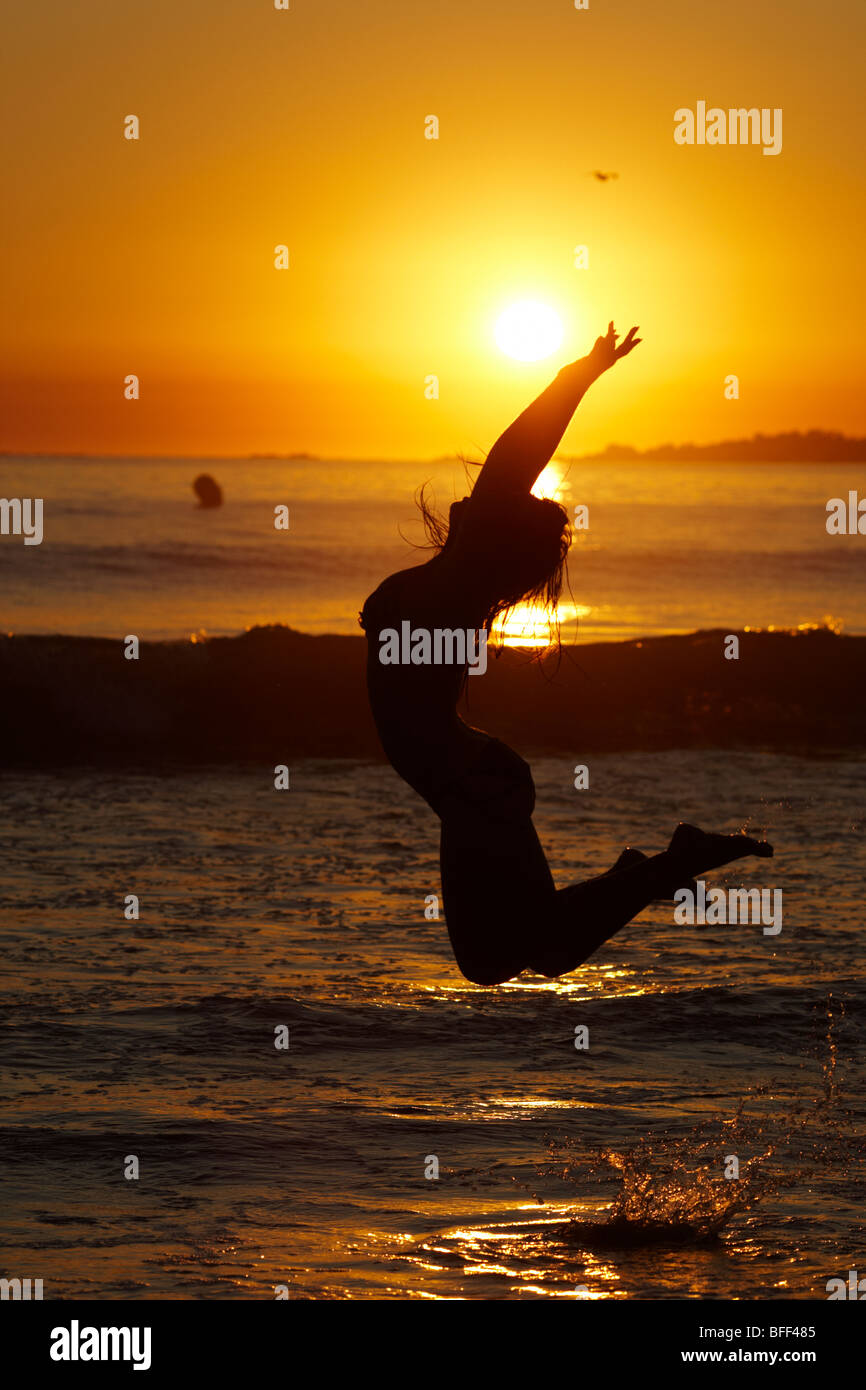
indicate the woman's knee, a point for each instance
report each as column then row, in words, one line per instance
column 489, row 973
column 489, row 964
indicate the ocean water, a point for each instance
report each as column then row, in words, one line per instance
column 562, row 1172
column 670, row 548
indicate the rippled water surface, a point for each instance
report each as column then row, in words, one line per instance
column 669, row 547
column 591, row 1173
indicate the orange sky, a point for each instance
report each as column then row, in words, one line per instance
column 261, row 127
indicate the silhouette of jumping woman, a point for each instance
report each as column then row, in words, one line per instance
column 502, row 545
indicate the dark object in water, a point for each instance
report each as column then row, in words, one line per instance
column 619, row 1234
column 208, row 491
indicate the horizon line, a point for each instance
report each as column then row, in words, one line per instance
column 296, row 455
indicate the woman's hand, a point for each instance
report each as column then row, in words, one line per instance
column 605, row 352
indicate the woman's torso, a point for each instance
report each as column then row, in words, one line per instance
column 414, row 704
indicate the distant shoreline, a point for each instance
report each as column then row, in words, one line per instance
column 813, row 446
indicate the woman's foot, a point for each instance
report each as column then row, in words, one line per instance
column 628, row 857
column 698, row 851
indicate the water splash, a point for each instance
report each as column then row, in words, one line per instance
column 833, row 1012
column 672, row 1191
column 673, row 1188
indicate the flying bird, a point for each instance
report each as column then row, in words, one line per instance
column 602, row 178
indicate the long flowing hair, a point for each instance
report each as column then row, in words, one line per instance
column 542, row 537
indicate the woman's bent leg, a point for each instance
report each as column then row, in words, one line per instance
column 588, row 914
column 498, row 894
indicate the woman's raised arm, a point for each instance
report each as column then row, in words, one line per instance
column 527, row 446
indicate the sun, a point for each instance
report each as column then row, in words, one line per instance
column 528, row 331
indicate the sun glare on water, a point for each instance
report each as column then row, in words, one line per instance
column 528, row 625
column 528, row 331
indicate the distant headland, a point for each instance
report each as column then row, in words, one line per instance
column 815, row 446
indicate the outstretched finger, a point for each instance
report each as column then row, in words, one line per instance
column 626, row 346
